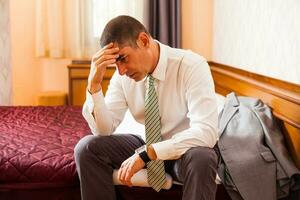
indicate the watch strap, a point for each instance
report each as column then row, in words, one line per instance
column 144, row 156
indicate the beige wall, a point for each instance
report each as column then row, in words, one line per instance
column 31, row 75
column 197, row 23
column 259, row 36
column 25, row 68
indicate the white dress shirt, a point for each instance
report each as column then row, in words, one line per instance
column 187, row 103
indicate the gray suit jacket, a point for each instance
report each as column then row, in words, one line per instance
column 253, row 151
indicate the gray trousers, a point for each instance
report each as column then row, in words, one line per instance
column 97, row 156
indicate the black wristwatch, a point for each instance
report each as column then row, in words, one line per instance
column 142, row 151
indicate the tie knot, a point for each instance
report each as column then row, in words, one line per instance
column 150, row 80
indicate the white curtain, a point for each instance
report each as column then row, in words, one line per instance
column 71, row 28
column 105, row 10
column 5, row 58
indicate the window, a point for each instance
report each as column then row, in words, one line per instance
column 104, row 10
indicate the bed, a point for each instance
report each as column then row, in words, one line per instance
column 36, row 152
column 64, row 126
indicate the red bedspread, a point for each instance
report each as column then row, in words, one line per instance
column 36, row 146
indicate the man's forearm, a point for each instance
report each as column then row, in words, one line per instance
column 97, row 115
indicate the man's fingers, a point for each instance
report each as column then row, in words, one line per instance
column 121, row 169
column 120, row 172
column 125, row 172
column 108, row 45
column 102, row 49
column 128, row 176
column 110, row 51
column 106, row 63
column 102, row 52
column 123, row 175
column 106, row 57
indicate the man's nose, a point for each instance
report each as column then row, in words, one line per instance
column 122, row 69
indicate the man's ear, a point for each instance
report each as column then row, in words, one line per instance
column 143, row 40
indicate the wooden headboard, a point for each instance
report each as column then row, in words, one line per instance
column 281, row 96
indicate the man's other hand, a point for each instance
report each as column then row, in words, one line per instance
column 129, row 167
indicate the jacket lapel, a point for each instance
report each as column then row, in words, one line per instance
column 230, row 107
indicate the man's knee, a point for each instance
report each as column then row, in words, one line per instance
column 81, row 148
column 89, row 145
column 200, row 158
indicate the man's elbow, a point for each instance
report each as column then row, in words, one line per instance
column 209, row 136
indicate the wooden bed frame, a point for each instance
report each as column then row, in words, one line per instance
column 281, row 96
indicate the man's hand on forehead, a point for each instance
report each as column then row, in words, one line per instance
column 106, row 51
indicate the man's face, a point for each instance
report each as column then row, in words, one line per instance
column 133, row 62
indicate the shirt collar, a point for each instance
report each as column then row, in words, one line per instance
column 161, row 67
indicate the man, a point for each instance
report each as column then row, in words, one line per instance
column 169, row 90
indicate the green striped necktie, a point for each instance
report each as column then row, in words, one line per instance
column 155, row 168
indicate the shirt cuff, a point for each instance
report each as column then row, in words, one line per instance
column 165, row 150
column 93, row 99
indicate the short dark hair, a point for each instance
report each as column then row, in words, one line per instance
column 123, row 29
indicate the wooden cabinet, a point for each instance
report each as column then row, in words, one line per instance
column 78, row 75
